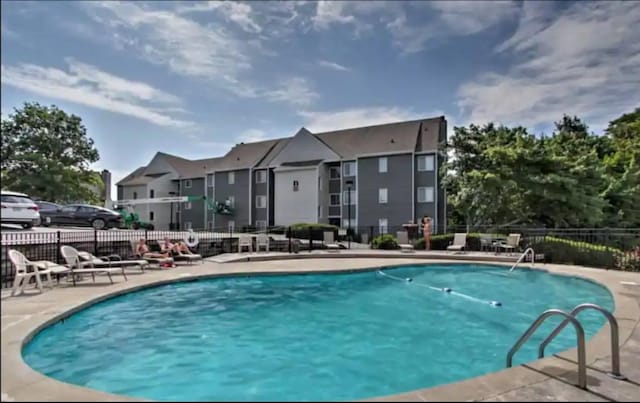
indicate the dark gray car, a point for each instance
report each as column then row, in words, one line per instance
column 81, row 215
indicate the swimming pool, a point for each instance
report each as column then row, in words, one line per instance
column 309, row 337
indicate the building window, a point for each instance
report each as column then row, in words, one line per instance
column 426, row 163
column 151, row 194
column 345, row 223
column 187, row 206
column 187, row 184
column 382, row 225
column 349, row 168
column 135, row 195
column 261, row 225
column 382, row 195
column 425, row 194
column 150, row 215
column 210, row 180
column 261, row 176
column 334, row 172
column 231, row 178
column 296, row 186
column 187, row 225
column 334, row 199
column 232, row 201
column 261, row 201
column 382, row 164
column 232, row 226
column 209, row 206
column 346, row 199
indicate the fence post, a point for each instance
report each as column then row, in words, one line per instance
column 310, row 240
column 230, row 240
column 370, row 233
column 289, row 236
column 95, row 242
column 58, row 246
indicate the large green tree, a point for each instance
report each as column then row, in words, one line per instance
column 46, row 153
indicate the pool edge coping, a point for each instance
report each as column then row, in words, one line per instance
column 26, row 383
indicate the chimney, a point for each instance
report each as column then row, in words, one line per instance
column 106, row 179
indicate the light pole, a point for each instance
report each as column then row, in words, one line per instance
column 349, row 184
column 171, row 213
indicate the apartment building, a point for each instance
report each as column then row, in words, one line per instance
column 381, row 176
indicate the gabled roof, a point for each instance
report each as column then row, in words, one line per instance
column 390, row 137
column 275, row 150
column 199, row 168
column 246, row 155
column 135, row 173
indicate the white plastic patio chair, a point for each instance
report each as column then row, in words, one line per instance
column 403, row 242
column 330, row 243
column 111, row 261
column 513, row 242
column 459, row 242
column 245, row 240
column 77, row 266
column 262, row 240
column 23, row 275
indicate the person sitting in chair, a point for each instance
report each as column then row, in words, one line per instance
column 178, row 248
column 143, row 250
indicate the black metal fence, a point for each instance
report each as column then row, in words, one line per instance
column 612, row 248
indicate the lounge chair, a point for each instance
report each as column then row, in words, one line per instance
column 112, row 261
column 151, row 260
column 262, row 240
column 403, row 242
column 459, row 242
column 23, row 275
column 181, row 257
column 513, row 242
column 330, row 243
column 486, row 242
column 245, row 240
column 78, row 267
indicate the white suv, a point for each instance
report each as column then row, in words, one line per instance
column 18, row 208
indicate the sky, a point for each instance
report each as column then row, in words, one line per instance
column 195, row 78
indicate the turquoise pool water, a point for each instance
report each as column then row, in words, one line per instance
column 309, row 337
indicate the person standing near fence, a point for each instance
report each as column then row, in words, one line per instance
column 426, row 232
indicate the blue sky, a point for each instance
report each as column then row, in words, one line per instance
column 194, row 78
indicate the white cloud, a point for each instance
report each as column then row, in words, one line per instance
column 331, row 12
column 87, row 85
column 332, row 65
column 252, row 135
column 452, row 18
column 183, row 45
column 322, row 121
column 238, row 13
column 584, row 61
column 294, row 91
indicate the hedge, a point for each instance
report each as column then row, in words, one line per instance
column 440, row 242
column 385, row 241
column 315, row 231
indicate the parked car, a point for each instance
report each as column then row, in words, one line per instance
column 47, row 209
column 18, row 208
column 80, row 215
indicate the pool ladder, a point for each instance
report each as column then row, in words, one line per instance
column 571, row 318
column 523, row 256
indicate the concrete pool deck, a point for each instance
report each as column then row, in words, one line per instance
column 549, row 379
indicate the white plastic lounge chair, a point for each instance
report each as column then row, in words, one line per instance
column 513, row 240
column 262, row 240
column 23, row 275
column 403, row 242
column 55, row 268
column 329, row 242
column 245, row 240
column 111, row 261
column 459, row 242
column 79, row 267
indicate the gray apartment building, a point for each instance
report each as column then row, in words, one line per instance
column 380, row 176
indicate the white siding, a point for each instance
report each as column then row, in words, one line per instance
column 293, row 207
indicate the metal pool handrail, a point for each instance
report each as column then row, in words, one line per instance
column 533, row 258
column 613, row 324
column 582, row 359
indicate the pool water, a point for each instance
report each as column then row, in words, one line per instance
column 310, row 337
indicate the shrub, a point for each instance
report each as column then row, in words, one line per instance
column 567, row 251
column 385, row 241
column 311, row 230
column 440, row 242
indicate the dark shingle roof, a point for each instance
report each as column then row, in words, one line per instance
column 246, row 155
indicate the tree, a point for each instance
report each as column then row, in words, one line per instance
column 622, row 171
column 46, row 153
